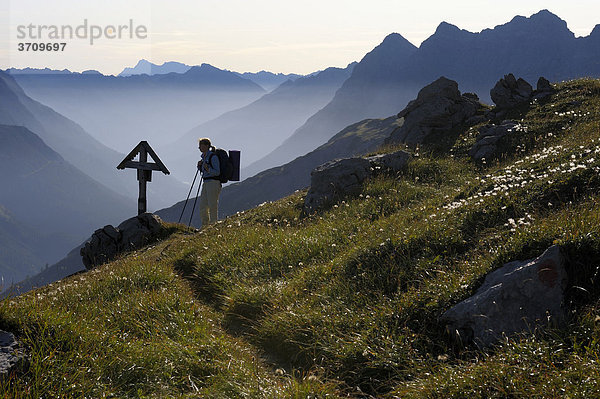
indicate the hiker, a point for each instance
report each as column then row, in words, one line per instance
column 211, row 188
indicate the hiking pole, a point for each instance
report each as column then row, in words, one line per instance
column 188, row 197
column 196, row 199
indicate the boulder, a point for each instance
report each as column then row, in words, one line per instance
column 341, row 178
column 393, row 162
column 106, row 243
column 136, row 231
column 101, row 247
column 485, row 146
column 510, row 92
column 11, row 352
column 517, row 298
column 335, row 180
column 438, row 108
column 543, row 89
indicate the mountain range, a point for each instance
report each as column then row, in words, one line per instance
column 148, row 68
column 267, row 80
column 378, row 86
column 442, row 277
column 77, row 146
column 261, row 126
column 121, row 111
column 392, row 73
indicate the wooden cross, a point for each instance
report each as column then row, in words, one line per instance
column 144, row 169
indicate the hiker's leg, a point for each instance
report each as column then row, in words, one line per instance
column 203, row 205
column 213, row 190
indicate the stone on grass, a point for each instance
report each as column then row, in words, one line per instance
column 11, row 352
column 517, row 298
column 437, row 110
column 335, row 180
column 393, row 162
column 106, row 243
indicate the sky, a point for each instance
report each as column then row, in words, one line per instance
column 242, row 35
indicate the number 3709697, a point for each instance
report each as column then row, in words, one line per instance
column 41, row 46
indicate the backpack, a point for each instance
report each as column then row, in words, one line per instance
column 225, row 164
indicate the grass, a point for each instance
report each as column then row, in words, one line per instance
column 346, row 302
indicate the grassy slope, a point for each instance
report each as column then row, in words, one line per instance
column 345, row 302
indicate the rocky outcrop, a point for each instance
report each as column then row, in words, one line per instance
column 517, row 298
column 544, row 89
column 335, row 180
column 342, row 178
column 11, row 352
column 106, row 243
column 486, row 144
column 510, row 93
column 392, row 163
column 438, row 109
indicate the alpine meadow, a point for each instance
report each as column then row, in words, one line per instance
column 396, row 238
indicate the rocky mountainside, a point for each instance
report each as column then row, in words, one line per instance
column 21, row 253
column 47, row 195
column 374, row 90
column 541, row 45
column 392, row 74
column 434, row 118
column 444, row 276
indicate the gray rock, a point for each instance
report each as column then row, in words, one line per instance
column 11, row 352
column 485, row 146
column 106, row 243
column 136, row 231
column 510, row 93
column 342, row 178
column 393, row 162
column 544, row 89
column 336, row 180
column 517, row 298
column 543, row 84
column 438, row 108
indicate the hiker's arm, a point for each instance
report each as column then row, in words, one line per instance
column 212, row 168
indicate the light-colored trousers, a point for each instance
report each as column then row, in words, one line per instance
column 209, row 201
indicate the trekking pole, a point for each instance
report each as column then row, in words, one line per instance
column 188, row 197
column 196, row 199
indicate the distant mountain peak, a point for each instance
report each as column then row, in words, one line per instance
column 48, row 71
column 208, row 67
column 202, row 69
column 395, row 39
column 446, row 29
column 142, row 62
column 146, row 67
column 545, row 18
column 546, row 15
column 394, row 43
column 543, row 22
column 445, row 33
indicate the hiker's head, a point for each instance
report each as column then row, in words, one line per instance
column 204, row 144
